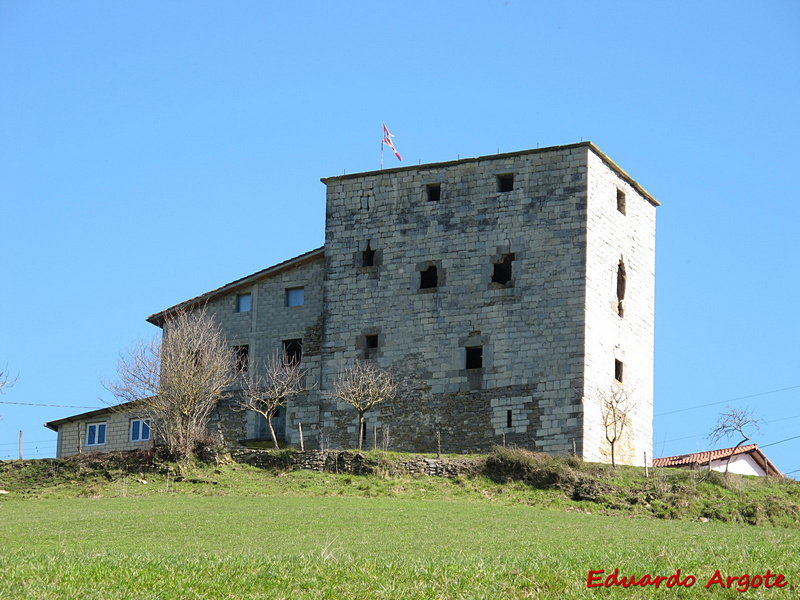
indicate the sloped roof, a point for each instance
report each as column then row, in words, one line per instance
column 159, row 317
column 702, row 458
column 54, row 425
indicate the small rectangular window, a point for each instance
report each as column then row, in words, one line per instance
column 428, row 278
column 505, row 182
column 502, row 270
column 140, row 430
column 242, row 357
column 371, row 341
column 294, row 297
column 293, row 350
column 434, row 192
column 95, row 434
column 243, row 302
column 509, row 418
column 620, row 201
column 475, row 357
column 618, row 370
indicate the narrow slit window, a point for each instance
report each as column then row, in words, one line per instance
column 618, row 370
column 368, row 256
column 434, row 192
column 505, row 182
column 428, row 278
column 622, row 280
column 475, row 357
column 509, row 418
column 293, row 351
column 363, row 432
column 620, row 201
column 502, row 270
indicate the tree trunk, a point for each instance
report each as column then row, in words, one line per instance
column 613, row 460
column 360, row 429
column 272, row 431
column 728, row 462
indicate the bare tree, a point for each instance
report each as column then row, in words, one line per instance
column 265, row 393
column 731, row 423
column 616, row 405
column 5, row 379
column 363, row 385
column 177, row 381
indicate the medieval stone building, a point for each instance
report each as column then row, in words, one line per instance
column 508, row 294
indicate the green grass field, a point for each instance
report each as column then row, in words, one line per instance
column 246, row 533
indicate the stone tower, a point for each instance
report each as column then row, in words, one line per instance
column 509, row 294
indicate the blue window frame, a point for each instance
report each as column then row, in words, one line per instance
column 140, row 430
column 95, row 434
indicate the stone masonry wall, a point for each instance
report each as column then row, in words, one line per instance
column 531, row 329
column 614, row 237
column 264, row 329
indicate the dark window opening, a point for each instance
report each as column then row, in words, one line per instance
column 428, row 278
column 475, row 357
column 363, row 432
column 371, row 341
column 508, row 418
column 242, row 357
column 621, row 201
column 505, row 183
column 618, row 368
column 502, row 270
column 368, row 257
column 293, row 351
column 622, row 280
column 434, row 192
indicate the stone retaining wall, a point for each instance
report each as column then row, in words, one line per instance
column 336, row 461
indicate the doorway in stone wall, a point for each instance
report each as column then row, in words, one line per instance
column 278, row 424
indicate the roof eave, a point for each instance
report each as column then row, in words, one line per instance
column 158, row 318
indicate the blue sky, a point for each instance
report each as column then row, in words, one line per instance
column 154, row 151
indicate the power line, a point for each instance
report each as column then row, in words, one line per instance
column 51, row 405
column 794, row 387
column 780, row 441
column 27, row 442
column 697, row 435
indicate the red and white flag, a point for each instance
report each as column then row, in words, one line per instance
column 387, row 139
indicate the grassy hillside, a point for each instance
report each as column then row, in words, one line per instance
column 232, row 531
column 504, row 477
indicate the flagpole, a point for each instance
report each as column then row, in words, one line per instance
column 382, row 134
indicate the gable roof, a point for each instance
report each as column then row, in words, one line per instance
column 702, row 458
column 54, row 425
column 159, row 317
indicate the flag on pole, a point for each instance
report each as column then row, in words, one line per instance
column 387, row 139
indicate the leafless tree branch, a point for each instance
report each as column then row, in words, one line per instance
column 5, row 379
column 733, row 422
column 265, row 392
column 616, row 404
column 362, row 386
column 177, row 381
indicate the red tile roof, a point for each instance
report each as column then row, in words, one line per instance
column 702, row 458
